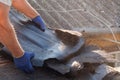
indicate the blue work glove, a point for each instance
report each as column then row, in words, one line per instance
column 39, row 23
column 23, row 63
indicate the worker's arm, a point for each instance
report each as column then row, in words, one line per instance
column 9, row 39
column 7, row 32
column 24, row 7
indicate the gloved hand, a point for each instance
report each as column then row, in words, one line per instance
column 23, row 63
column 39, row 23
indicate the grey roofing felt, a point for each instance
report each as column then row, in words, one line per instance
column 45, row 45
column 88, row 54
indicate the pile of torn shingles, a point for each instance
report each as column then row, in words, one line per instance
column 63, row 51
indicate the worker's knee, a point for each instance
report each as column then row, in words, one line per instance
column 3, row 18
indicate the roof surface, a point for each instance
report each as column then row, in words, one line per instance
column 76, row 14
